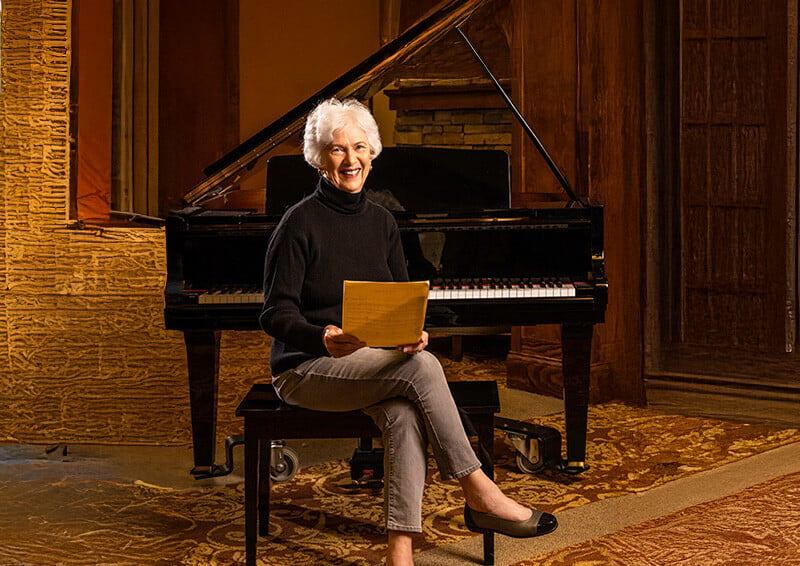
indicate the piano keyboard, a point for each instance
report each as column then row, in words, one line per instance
column 488, row 289
column 441, row 290
column 231, row 296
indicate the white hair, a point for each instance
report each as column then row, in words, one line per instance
column 331, row 115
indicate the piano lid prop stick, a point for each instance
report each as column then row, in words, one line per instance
column 528, row 130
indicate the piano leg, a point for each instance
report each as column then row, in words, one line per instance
column 576, row 347
column 202, row 357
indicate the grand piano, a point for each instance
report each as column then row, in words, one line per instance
column 489, row 265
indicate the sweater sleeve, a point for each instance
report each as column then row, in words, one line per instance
column 397, row 259
column 284, row 272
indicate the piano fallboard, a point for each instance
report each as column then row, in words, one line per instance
column 509, row 267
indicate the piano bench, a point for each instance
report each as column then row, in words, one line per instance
column 267, row 418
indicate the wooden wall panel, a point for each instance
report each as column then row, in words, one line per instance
column 750, row 162
column 694, row 15
column 738, row 18
column 695, row 141
column 612, row 115
column 198, row 84
column 725, row 141
column 695, row 90
column 545, row 87
column 579, row 79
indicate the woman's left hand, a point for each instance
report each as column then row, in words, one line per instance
column 417, row 347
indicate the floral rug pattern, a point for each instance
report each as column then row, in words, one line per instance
column 318, row 518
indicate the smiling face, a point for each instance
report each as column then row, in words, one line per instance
column 346, row 161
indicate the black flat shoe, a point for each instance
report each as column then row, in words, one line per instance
column 538, row 524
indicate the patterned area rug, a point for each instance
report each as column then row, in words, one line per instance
column 760, row 525
column 318, row 519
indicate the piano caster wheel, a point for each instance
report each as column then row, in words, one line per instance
column 529, row 452
column 526, row 466
column 284, row 462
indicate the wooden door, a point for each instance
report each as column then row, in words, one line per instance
column 723, row 301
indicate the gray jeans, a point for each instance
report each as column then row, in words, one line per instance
column 408, row 398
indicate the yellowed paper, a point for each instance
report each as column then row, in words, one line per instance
column 384, row 314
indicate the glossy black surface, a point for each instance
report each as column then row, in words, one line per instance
column 205, row 253
column 413, row 179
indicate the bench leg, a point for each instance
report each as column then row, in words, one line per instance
column 264, row 486
column 486, row 454
column 251, row 459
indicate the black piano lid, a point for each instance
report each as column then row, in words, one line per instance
column 362, row 81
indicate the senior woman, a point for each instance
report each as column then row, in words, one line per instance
column 336, row 234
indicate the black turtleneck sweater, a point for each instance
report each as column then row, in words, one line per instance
column 327, row 237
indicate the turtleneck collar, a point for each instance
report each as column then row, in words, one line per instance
column 340, row 201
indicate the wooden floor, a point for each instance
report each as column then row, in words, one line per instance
column 730, row 403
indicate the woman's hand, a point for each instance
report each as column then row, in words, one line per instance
column 338, row 343
column 417, row 347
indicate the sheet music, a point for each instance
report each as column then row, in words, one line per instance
column 384, row 314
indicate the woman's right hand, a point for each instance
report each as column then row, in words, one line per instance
column 338, row 343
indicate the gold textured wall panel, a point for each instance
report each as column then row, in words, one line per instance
column 84, row 354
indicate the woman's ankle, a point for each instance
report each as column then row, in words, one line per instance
column 480, row 492
column 485, row 496
column 401, row 549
